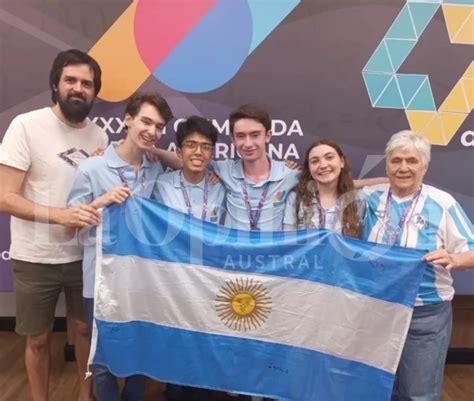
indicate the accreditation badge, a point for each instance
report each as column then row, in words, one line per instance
column 74, row 156
column 420, row 222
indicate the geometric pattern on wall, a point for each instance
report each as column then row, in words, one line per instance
column 190, row 46
column 412, row 92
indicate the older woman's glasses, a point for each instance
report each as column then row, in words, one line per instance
column 193, row 145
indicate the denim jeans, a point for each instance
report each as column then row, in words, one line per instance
column 420, row 372
column 104, row 382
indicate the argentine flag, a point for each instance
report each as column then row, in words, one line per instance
column 306, row 315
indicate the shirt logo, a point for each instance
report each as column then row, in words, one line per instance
column 279, row 198
column 420, row 222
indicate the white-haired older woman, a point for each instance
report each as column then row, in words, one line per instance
column 408, row 213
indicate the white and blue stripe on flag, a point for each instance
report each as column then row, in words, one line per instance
column 306, row 315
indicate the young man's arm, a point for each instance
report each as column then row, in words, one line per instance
column 358, row 184
column 14, row 203
column 116, row 195
column 168, row 158
column 368, row 182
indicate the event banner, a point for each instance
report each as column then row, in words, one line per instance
column 353, row 71
column 300, row 315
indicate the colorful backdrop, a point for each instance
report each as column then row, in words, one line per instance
column 355, row 71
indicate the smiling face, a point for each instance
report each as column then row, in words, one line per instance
column 145, row 128
column 405, row 171
column 196, row 152
column 250, row 138
column 325, row 164
column 76, row 92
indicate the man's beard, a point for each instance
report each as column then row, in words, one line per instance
column 74, row 110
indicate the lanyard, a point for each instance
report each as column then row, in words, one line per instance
column 322, row 212
column 392, row 235
column 254, row 218
column 205, row 195
column 125, row 182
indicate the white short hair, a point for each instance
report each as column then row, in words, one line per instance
column 408, row 140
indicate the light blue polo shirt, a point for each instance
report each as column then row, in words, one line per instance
column 94, row 177
column 333, row 215
column 281, row 181
column 332, row 221
column 168, row 191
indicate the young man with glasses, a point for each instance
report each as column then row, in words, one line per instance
column 188, row 189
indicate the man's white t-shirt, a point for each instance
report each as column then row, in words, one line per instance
column 39, row 143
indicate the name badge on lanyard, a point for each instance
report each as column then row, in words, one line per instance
column 254, row 217
column 187, row 201
column 124, row 181
column 392, row 234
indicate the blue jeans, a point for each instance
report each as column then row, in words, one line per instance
column 420, row 372
column 105, row 383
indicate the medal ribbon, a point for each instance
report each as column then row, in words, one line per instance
column 125, row 182
column 392, row 235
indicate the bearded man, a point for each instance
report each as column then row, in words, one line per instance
column 40, row 152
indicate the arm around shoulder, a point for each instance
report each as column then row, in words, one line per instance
column 368, row 182
column 168, row 158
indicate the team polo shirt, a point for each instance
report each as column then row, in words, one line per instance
column 94, row 177
column 333, row 214
column 435, row 221
column 280, row 182
column 168, row 191
column 332, row 221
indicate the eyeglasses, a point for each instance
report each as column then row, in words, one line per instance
column 193, row 145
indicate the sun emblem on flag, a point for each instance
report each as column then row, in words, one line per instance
column 243, row 304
